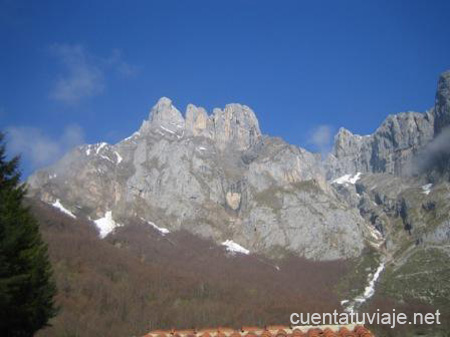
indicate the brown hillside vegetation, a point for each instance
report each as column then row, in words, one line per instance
column 384, row 304
column 138, row 280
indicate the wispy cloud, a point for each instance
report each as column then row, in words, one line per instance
column 37, row 149
column 124, row 68
column 321, row 138
column 81, row 77
column 435, row 154
column 84, row 74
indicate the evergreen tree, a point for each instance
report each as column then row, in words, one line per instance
column 26, row 285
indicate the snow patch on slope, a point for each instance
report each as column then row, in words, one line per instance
column 167, row 130
column 57, row 204
column 233, row 247
column 106, row 224
column 369, row 291
column 100, row 147
column 347, row 179
column 106, row 158
column 162, row 230
column 426, row 189
column 119, row 157
column 94, row 147
column 376, row 235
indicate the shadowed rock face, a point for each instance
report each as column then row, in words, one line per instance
column 442, row 105
column 217, row 176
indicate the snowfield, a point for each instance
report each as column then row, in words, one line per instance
column 106, row 224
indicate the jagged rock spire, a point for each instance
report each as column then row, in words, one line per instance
column 165, row 115
column 236, row 124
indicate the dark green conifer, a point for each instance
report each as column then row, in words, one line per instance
column 26, row 285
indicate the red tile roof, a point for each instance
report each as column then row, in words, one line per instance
column 270, row 331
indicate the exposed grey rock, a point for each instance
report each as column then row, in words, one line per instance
column 165, row 116
column 440, row 235
column 390, row 149
column 215, row 176
column 442, row 105
column 198, row 123
column 235, row 126
column 403, row 144
column 435, row 158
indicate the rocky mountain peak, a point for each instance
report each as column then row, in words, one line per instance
column 345, row 140
column 165, row 115
column 401, row 141
column 236, row 124
column 342, row 135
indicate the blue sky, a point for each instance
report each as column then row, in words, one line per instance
column 88, row 71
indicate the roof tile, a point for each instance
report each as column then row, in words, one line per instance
column 269, row 331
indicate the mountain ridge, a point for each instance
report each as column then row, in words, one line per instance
column 219, row 177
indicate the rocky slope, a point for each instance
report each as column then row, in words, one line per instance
column 404, row 192
column 404, row 189
column 390, row 149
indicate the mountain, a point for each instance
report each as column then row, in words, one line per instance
column 216, row 176
column 403, row 190
column 378, row 202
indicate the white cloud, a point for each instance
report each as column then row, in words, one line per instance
column 84, row 74
column 81, row 78
column 37, row 148
column 321, row 138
